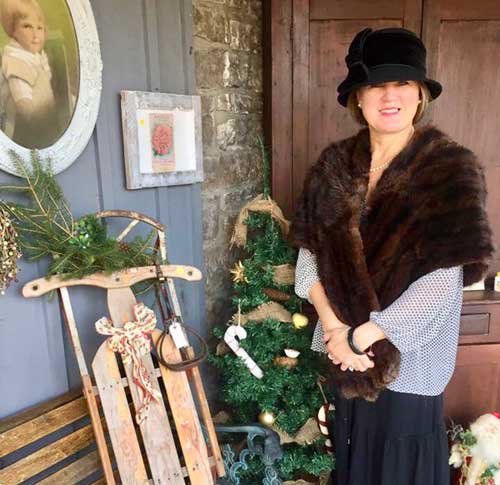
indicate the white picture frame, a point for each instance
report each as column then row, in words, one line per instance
column 72, row 142
column 162, row 139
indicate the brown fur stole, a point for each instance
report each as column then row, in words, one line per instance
column 426, row 212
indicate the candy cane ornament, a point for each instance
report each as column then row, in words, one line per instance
column 323, row 425
column 234, row 334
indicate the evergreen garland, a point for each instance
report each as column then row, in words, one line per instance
column 310, row 459
column 46, row 227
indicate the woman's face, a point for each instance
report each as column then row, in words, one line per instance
column 30, row 32
column 391, row 106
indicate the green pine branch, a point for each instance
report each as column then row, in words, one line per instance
column 266, row 165
column 46, row 227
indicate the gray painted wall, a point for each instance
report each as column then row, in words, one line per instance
column 145, row 45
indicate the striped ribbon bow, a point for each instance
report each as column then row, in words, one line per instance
column 133, row 341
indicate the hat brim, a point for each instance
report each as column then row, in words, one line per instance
column 388, row 73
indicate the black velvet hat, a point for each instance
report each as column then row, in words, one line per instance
column 377, row 56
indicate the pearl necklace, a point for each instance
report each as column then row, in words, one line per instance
column 387, row 163
column 380, row 166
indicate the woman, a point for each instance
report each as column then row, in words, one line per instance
column 391, row 224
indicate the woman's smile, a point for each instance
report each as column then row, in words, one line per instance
column 390, row 111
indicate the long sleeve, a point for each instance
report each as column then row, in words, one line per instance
column 306, row 273
column 412, row 320
column 415, row 318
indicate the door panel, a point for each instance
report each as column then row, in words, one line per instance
column 463, row 38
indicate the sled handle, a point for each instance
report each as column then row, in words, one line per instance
column 119, row 279
column 131, row 215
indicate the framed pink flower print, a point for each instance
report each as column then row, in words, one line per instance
column 162, row 139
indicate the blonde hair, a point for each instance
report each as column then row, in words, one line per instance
column 357, row 114
column 11, row 11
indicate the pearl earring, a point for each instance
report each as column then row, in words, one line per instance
column 359, row 106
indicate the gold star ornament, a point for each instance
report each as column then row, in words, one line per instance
column 238, row 273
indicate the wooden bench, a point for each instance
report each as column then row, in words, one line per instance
column 51, row 443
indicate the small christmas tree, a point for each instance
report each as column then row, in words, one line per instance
column 286, row 397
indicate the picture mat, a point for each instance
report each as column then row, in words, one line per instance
column 183, row 143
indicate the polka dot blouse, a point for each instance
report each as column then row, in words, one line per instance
column 423, row 324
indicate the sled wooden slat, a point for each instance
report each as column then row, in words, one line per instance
column 184, row 411
column 155, row 429
column 102, row 481
column 116, row 410
column 157, row 437
column 41, row 426
column 119, row 279
column 125, row 381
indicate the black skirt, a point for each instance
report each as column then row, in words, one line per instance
column 400, row 439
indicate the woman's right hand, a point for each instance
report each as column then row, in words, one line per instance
column 335, row 332
column 339, row 351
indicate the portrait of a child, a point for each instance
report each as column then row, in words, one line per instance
column 27, row 100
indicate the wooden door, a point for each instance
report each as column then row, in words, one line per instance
column 463, row 44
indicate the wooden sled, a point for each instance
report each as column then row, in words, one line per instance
column 145, row 453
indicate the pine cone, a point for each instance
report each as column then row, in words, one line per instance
column 124, row 247
column 276, row 295
column 287, row 362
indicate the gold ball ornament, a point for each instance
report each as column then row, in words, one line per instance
column 299, row 321
column 267, row 418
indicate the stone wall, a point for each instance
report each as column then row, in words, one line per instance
column 228, row 63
